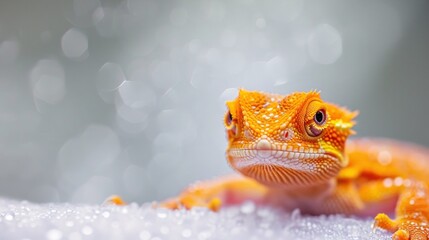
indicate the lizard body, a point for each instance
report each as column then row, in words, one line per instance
column 293, row 152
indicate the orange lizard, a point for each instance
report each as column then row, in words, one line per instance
column 294, row 153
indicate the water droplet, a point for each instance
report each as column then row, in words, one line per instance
column 110, row 77
column 186, row 233
column 74, row 44
column 98, row 15
column 47, row 79
column 162, row 213
column 8, row 217
column 54, row 234
column 50, row 89
column 325, row 44
column 107, row 26
column 145, row 235
column 106, row 214
column 164, row 230
column 137, row 94
column 248, row 207
column 87, row 230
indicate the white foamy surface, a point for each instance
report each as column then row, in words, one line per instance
column 24, row 220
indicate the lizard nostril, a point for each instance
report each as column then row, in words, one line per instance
column 263, row 144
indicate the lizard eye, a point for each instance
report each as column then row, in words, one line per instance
column 228, row 119
column 230, row 124
column 320, row 117
column 315, row 118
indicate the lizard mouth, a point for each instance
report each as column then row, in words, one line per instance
column 284, row 168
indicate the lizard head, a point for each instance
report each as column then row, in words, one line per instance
column 286, row 141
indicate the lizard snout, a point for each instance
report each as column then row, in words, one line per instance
column 263, row 147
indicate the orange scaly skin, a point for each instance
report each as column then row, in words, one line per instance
column 294, row 153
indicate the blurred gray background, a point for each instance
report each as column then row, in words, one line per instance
column 127, row 96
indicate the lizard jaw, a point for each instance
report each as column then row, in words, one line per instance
column 284, row 168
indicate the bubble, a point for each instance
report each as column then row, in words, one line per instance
column 131, row 121
column 84, row 221
column 8, row 217
column 74, row 236
column 170, row 99
column 110, row 77
column 74, row 44
column 98, row 15
column 106, row 214
column 50, row 89
column 54, row 234
column 164, row 230
column 248, row 207
column 145, row 235
column 106, row 26
column 137, row 94
column 47, row 80
column 9, row 51
column 178, row 16
column 162, row 213
column 186, row 233
column 325, row 44
column 87, row 230
column 132, row 115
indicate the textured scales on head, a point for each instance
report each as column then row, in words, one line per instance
column 286, row 141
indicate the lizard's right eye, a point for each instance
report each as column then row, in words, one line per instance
column 230, row 124
column 228, row 118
